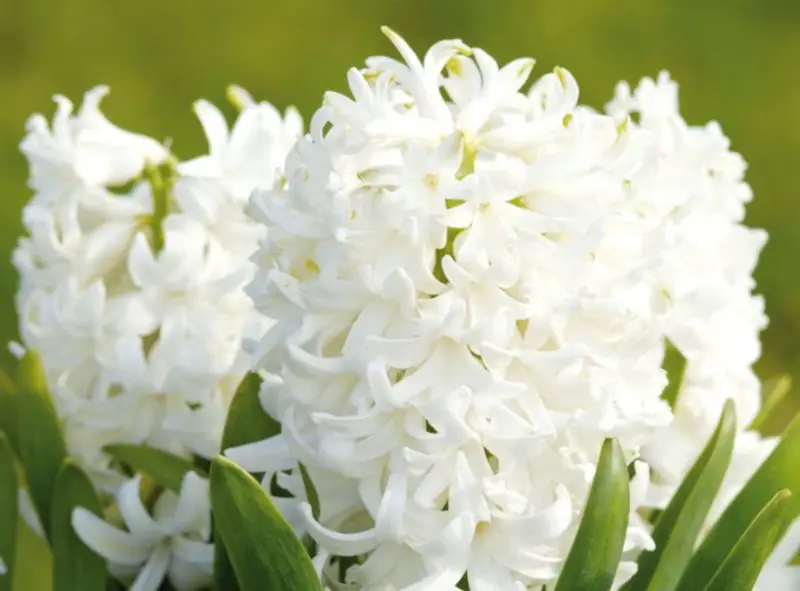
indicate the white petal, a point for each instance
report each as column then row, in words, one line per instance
column 542, row 526
column 193, row 512
column 112, row 544
column 199, row 553
column 136, row 517
column 337, row 542
column 214, row 125
column 142, row 263
column 154, row 571
column 189, row 576
column 28, row 512
column 268, row 455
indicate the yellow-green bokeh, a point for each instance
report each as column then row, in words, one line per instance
column 737, row 62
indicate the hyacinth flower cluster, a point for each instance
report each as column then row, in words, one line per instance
column 132, row 273
column 452, row 290
column 473, row 285
column 131, row 282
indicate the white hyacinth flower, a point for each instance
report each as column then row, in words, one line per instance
column 172, row 543
column 83, row 151
column 132, row 274
column 460, row 278
column 696, row 194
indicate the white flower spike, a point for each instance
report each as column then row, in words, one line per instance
column 456, row 288
column 134, row 296
column 458, row 280
column 473, row 285
column 696, row 195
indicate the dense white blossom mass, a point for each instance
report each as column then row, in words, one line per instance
column 705, row 271
column 472, row 285
column 132, row 271
column 455, row 287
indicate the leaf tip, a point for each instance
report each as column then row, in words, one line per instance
column 31, row 372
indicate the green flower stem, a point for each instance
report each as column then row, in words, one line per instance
column 162, row 180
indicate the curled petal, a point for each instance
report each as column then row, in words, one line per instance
column 337, row 542
column 112, row 544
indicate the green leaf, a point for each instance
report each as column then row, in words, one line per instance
column 75, row 566
column 311, row 491
column 162, row 467
column 741, row 568
column 41, row 443
column 795, row 561
column 595, row 554
column 8, row 511
column 678, row 527
column 8, row 411
column 675, row 366
column 773, row 393
column 33, row 567
column 263, row 548
column 247, row 422
column 778, row 472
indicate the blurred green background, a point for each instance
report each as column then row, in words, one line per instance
column 736, row 61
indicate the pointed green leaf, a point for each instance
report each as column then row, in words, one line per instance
column 75, row 566
column 33, row 567
column 247, row 422
column 741, row 568
column 311, row 491
column 8, row 511
column 778, row 472
column 596, row 552
column 678, row 527
column 773, row 393
column 8, row 411
column 263, row 548
column 675, row 366
column 162, row 467
column 41, row 442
